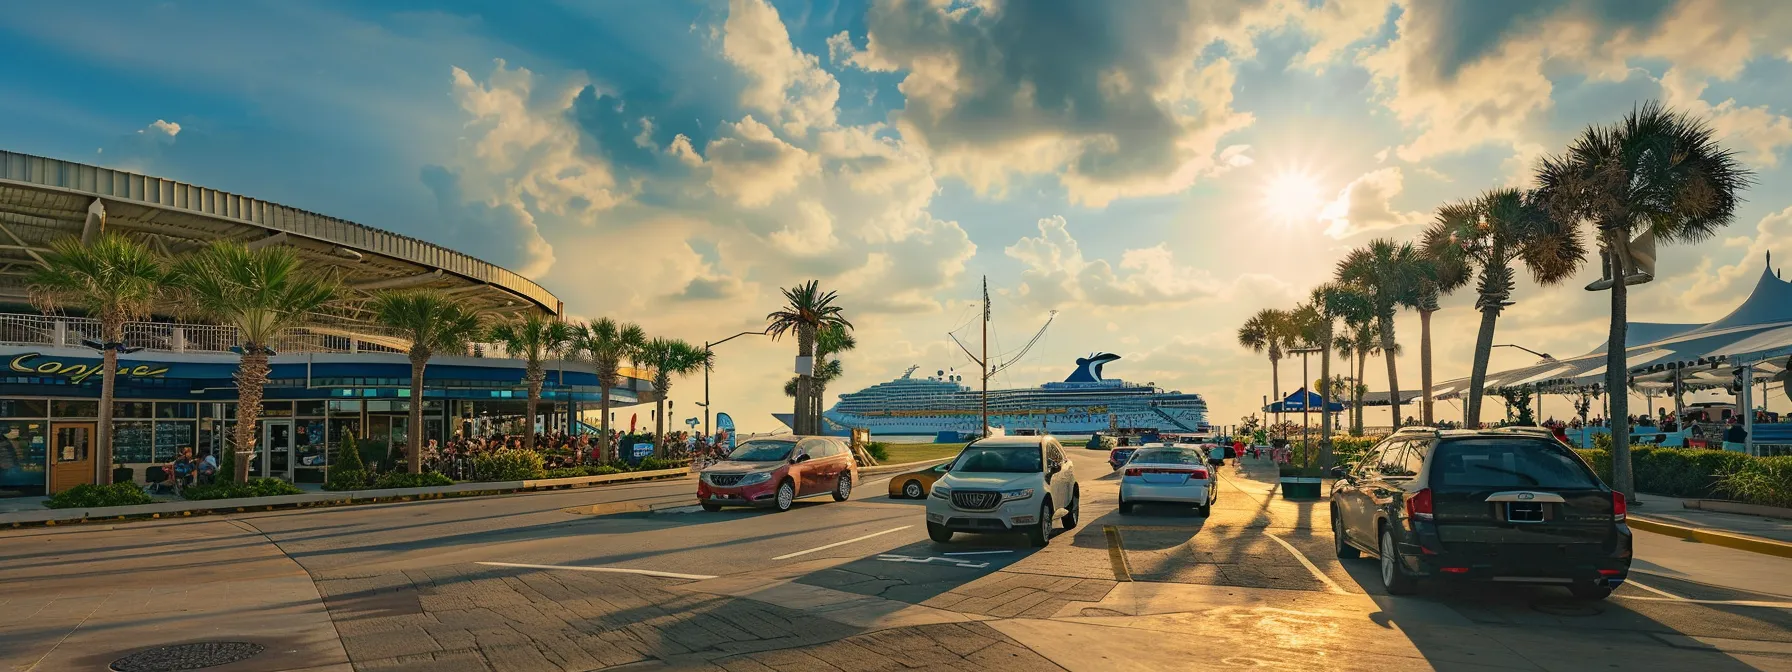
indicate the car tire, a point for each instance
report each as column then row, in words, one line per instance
column 1125, row 507
column 843, row 487
column 1587, row 590
column 1204, row 510
column 913, row 490
column 1076, row 502
column 1393, row 572
column 939, row 533
column 1041, row 532
column 786, row 496
column 712, row 508
column 1339, row 544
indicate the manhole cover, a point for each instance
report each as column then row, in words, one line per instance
column 1567, row 608
column 186, row 657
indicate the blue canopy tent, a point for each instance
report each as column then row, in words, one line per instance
column 1303, row 400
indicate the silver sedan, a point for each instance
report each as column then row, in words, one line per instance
column 1169, row 474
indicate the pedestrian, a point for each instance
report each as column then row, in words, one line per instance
column 1736, row 437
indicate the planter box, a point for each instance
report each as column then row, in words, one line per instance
column 1294, row 487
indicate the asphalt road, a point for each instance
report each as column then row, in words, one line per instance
column 635, row 576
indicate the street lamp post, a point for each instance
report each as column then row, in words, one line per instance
column 706, row 366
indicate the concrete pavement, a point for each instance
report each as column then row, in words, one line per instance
column 587, row 579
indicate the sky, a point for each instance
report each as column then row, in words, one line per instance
column 1153, row 170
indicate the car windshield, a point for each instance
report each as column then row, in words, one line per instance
column 999, row 459
column 1166, row 456
column 763, row 451
column 1508, row 463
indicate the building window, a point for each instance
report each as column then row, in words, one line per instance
column 171, row 437
column 309, row 409
column 132, row 441
column 23, row 408
column 22, row 447
column 74, row 408
column 133, row 409
column 176, row 409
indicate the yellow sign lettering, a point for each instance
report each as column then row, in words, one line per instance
column 78, row 373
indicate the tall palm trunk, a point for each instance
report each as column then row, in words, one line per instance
column 805, row 345
column 1275, row 389
column 603, row 420
column 419, row 360
column 535, row 376
column 112, row 331
column 1362, row 370
column 1477, row 377
column 251, row 377
column 1325, row 399
column 659, row 426
column 1616, row 369
column 1387, row 353
column 1425, row 365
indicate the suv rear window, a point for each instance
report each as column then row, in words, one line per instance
column 1508, row 463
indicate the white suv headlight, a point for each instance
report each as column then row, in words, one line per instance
column 1013, row 495
column 942, row 492
column 756, row 478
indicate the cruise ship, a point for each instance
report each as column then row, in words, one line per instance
column 1083, row 403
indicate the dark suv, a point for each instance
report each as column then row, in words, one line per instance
column 1487, row 505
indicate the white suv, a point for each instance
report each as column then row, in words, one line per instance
column 1005, row 484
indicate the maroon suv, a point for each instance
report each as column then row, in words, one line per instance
column 775, row 472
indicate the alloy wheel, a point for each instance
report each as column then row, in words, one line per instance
column 786, row 495
column 912, row 490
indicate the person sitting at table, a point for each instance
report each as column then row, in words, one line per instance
column 1736, row 437
column 206, row 467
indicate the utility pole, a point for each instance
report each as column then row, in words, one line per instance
column 984, row 362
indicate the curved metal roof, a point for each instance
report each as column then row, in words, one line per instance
column 42, row 199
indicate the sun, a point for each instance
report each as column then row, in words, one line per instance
column 1292, row 196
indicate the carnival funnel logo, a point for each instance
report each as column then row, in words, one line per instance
column 32, row 362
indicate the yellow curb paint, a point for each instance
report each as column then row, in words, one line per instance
column 1117, row 554
column 1741, row 542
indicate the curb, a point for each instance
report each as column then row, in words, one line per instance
column 1741, row 542
column 179, row 508
column 1725, row 506
column 882, row 469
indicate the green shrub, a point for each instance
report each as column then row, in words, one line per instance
column 93, row 496
column 348, row 456
column 346, row 479
column 1763, row 480
column 574, row 472
column 507, row 465
column 227, row 466
column 655, row 464
column 1697, row 473
column 423, row 480
column 879, row 450
column 255, row 487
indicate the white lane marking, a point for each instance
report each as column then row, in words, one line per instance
column 616, row 570
column 1304, row 562
column 977, row 553
column 1730, row 603
column 966, row 564
column 788, row 556
column 1657, row 591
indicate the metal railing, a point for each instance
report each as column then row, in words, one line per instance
column 23, row 329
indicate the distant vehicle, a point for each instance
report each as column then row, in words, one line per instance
column 775, row 472
column 916, row 484
column 1119, row 456
column 1005, row 484
column 1169, row 474
column 1481, row 505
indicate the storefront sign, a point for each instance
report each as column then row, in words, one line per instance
column 643, row 449
column 32, row 362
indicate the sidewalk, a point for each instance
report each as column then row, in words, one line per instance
column 1673, row 511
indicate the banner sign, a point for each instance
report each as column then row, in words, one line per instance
column 643, row 450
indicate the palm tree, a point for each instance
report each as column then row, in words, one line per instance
column 608, row 343
column 533, row 338
column 433, row 323
column 1318, row 319
column 830, row 341
column 114, row 280
column 1487, row 235
column 667, row 358
column 1657, row 171
column 1269, row 331
column 262, row 292
column 1387, row 273
column 1439, row 275
column 807, row 310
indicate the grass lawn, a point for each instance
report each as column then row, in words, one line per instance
column 903, row 453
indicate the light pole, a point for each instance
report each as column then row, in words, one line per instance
column 1306, row 443
column 707, row 354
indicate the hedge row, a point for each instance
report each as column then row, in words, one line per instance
column 1701, row 473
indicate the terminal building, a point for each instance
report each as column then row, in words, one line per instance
column 345, row 375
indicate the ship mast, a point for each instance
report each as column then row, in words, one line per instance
column 984, row 362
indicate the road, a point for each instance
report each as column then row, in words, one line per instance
column 633, row 577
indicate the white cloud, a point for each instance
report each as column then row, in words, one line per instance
column 1058, row 275
column 1715, row 284
column 1365, row 205
column 785, row 84
column 162, row 128
column 752, row 166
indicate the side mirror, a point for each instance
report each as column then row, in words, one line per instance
column 1054, row 468
column 1217, row 461
column 804, row 457
column 1340, row 472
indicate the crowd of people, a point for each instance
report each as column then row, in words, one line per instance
column 562, row 450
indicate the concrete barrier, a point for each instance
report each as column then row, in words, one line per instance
column 1741, row 542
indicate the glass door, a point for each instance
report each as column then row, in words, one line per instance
column 276, row 446
column 71, row 454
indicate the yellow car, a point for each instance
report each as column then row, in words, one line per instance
column 916, row 484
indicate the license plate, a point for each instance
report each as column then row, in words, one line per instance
column 1524, row 512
